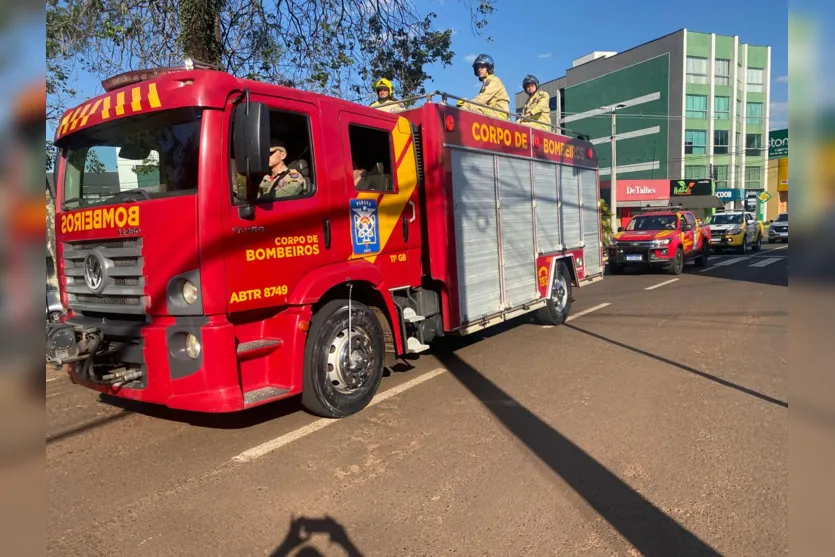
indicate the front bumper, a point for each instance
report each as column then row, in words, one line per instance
column 147, row 362
column 625, row 254
column 778, row 234
column 719, row 239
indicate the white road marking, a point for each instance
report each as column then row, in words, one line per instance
column 653, row 287
column 766, row 262
column 270, row 446
column 581, row 314
column 53, row 379
column 726, row 263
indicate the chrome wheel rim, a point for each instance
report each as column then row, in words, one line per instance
column 559, row 292
column 350, row 367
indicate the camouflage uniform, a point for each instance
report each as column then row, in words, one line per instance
column 492, row 94
column 537, row 111
column 288, row 183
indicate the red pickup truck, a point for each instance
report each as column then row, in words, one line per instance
column 662, row 238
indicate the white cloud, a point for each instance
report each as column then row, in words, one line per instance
column 544, row 55
column 470, row 57
column 778, row 110
column 781, row 79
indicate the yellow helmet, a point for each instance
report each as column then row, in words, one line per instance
column 384, row 83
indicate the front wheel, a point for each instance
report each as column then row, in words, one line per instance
column 558, row 305
column 342, row 369
column 758, row 246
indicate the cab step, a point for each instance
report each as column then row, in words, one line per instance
column 264, row 394
column 257, row 348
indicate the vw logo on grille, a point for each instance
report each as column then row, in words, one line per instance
column 93, row 273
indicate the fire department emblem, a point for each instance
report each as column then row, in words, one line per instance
column 365, row 233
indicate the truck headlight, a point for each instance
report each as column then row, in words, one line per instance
column 193, row 347
column 189, row 292
column 659, row 243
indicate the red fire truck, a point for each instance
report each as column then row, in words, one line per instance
column 189, row 287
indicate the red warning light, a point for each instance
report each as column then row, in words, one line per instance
column 449, row 123
column 590, row 154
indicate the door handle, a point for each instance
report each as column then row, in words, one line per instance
column 414, row 212
column 405, row 222
column 326, row 224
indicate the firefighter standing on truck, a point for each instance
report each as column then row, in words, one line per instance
column 492, row 94
column 537, row 110
column 385, row 96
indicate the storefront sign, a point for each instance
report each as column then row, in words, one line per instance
column 730, row 194
column 637, row 190
column 778, row 144
column 687, row 188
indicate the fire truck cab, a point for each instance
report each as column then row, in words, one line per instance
column 190, row 285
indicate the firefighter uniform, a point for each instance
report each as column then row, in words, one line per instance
column 537, row 110
column 386, row 104
column 288, row 183
column 493, row 93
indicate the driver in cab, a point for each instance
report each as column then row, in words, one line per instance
column 282, row 181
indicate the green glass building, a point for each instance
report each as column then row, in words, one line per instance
column 692, row 102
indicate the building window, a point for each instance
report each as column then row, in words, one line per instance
column 371, row 158
column 721, row 175
column 697, row 70
column 695, row 142
column 720, row 142
column 696, row 107
column 695, row 172
column 752, row 177
column 723, row 72
column 754, row 113
column 552, row 103
column 755, row 80
column 722, row 108
column 753, row 145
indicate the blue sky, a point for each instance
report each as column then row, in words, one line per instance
column 543, row 38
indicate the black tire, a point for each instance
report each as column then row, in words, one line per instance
column 677, row 266
column 320, row 394
column 759, row 245
column 703, row 259
column 558, row 304
column 743, row 249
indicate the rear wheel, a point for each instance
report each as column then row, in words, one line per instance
column 342, row 371
column 558, row 305
column 677, row 265
column 702, row 260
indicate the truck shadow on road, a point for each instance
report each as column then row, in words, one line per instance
column 303, row 528
column 688, row 369
column 651, row 531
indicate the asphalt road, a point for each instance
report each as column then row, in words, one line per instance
column 656, row 424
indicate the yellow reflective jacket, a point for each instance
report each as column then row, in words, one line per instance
column 492, row 94
column 537, row 111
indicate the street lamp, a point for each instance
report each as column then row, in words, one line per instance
column 613, row 205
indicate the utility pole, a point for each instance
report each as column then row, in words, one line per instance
column 613, row 206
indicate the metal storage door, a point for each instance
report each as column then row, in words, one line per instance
column 516, row 210
column 570, row 196
column 476, row 234
column 591, row 229
column 547, row 208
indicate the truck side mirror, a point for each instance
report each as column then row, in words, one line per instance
column 251, row 137
column 620, row 229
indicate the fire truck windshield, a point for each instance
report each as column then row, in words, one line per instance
column 653, row 222
column 154, row 155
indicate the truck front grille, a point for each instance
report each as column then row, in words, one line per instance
column 123, row 284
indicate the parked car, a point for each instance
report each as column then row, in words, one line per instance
column 54, row 307
column 779, row 229
column 735, row 229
